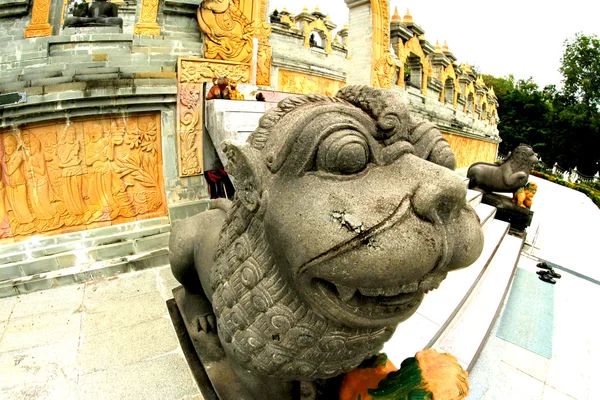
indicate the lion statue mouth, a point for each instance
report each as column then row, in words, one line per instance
column 382, row 302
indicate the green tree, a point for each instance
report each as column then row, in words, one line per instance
column 524, row 117
column 581, row 70
column 501, row 85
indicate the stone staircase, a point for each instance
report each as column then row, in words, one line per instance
column 40, row 263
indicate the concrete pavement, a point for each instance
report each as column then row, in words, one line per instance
column 569, row 225
column 107, row 339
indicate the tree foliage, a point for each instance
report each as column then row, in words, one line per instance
column 581, row 69
column 561, row 125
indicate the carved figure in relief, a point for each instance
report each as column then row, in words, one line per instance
column 104, row 188
column 228, row 32
column 346, row 213
column 39, row 189
column 71, row 163
column 506, row 177
column 16, row 189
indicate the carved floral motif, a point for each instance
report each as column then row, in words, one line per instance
column 384, row 67
column 39, row 25
column 200, row 71
column 147, row 23
column 78, row 174
column 192, row 73
column 228, row 32
column 295, row 82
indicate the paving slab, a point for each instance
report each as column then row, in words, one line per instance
column 107, row 339
column 105, row 315
column 66, row 298
column 40, row 330
column 123, row 346
column 143, row 380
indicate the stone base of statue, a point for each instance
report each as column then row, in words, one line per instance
column 507, row 211
column 89, row 30
column 77, row 22
column 216, row 377
column 205, row 355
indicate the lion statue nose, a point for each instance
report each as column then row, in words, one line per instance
column 436, row 200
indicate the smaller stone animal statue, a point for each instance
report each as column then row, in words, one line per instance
column 523, row 197
column 220, row 89
column 98, row 13
column 506, row 177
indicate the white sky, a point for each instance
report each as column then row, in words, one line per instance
column 522, row 37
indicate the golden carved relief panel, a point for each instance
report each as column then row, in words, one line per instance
column 296, row 82
column 192, row 73
column 469, row 151
column 39, row 25
column 384, row 66
column 69, row 177
column 227, row 31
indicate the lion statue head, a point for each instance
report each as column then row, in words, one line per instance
column 346, row 213
column 522, row 158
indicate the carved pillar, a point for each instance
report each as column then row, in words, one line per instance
column 265, row 56
column 370, row 23
column 39, row 25
column 146, row 24
column 192, row 74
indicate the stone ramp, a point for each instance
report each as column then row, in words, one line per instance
column 41, row 263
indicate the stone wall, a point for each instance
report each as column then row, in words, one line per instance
column 82, row 72
column 360, row 27
column 290, row 54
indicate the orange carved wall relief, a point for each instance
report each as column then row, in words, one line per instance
column 69, row 177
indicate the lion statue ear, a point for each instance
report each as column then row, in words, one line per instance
column 245, row 165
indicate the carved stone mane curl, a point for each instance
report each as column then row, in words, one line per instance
column 386, row 107
column 520, row 159
column 264, row 322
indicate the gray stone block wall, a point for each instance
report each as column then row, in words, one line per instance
column 12, row 27
column 360, row 45
column 289, row 53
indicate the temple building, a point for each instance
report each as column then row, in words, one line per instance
column 106, row 133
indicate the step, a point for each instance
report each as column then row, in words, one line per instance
column 40, row 263
column 474, row 197
column 486, row 214
column 466, row 335
column 441, row 305
column 84, row 273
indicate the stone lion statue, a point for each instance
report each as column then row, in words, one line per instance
column 346, row 213
column 523, row 197
column 512, row 174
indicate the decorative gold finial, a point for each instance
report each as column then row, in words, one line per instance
column 396, row 17
column 317, row 9
column 327, row 18
column 438, row 49
column 466, row 68
column 305, row 9
column 284, row 9
column 407, row 17
column 345, row 26
column 445, row 47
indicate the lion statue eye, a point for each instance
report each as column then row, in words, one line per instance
column 343, row 152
